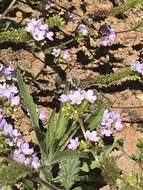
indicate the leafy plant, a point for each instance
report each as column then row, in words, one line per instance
column 110, row 170
column 126, row 6
column 11, row 172
column 55, row 20
column 14, row 35
column 131, row 182
column 69, row 173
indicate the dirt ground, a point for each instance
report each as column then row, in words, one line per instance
column 127, row 97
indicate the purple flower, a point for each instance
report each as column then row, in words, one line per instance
column 60, row 54
column 83, row 29
column 50, row 35
column 15, row 101
column 70, row 17
column 2, row 123
column 42, row 115
column 92, row 136
column 108, row 35
column 76, row 97
column 8, row 72
column 74, row 143
column 56, row 52
column 137, row 66
column 18, row 156
column 8, row 130
column 63, row 98
column 23, row 153
column 35, row 161
column 111, row 122
column 88, row 95
column 39, row 30
column 26, row 155
column 48, row 5
column 118, row 125
column 106, row 132
column 65, row 55
column 24, row 148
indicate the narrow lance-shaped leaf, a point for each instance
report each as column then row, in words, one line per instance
column 95, row 119
column 31, row 106
column 61, row 125
column 50, row 130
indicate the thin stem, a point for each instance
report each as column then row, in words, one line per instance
column 82, row 127
column 8, row 9
column 127, row 107
column 61, row 45
column 45, row 183
column 120, row 148
column 64, row 8
column 129, row 30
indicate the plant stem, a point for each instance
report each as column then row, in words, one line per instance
column 8, row 9
column 46, row 183
column 82, row 127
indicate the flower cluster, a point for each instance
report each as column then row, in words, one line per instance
column 77, row 96
column 111, row 123
column 89, row 135
column 8, row 131
column 83, row 29
column 108, row 35
column 70, row 17
column 10, row 92
column 23, row 153
column 60, row 54
column 26, row 155
column 74, row 143
column 137, row 66
column 8, row 72
column 48, row 5
column 39, row 30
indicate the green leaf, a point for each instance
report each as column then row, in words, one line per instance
column 69, row 173
column 95, row 119
column 10, row 172
column 28, row 184
column 72, row 129
column 28, row 100
column 60, row 156
column 55, row 20
column 61, row 125
column 14, row 35
column 49, row 137
column 126, row 6
column 31, row 106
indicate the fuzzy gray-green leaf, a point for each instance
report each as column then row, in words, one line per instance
column 69, row 173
